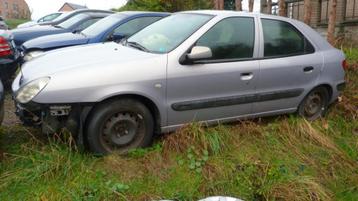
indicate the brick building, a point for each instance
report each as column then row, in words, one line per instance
column 70, row 7
column 14, row 9
column 347, row 16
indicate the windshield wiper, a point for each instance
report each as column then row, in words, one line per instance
column 136, row 45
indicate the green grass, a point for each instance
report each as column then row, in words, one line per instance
column 277, row 158
column 12, row 23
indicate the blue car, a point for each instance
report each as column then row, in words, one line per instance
column 112, row 28
column 76, row 23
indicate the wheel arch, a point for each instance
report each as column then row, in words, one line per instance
column 149, row 103
column 325, row 85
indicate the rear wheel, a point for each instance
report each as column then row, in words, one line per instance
column 315, row 104
column 118, row 126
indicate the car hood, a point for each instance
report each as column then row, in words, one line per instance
column 94, row 57
column 27, row 24
column 56, row 41
column 24, row 34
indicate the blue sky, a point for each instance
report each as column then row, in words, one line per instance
column 40, row 8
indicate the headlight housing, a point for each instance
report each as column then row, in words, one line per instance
column 31, row 55
column 26, row 93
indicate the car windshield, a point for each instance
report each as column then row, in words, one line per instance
column 72, row 21
column 103, row 25
column 168, row 33
column 63, row 16
column 50, row 17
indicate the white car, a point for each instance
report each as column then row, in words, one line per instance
column 47, row 18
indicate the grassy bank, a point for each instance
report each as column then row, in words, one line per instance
column 12, row 23
column 277, row 158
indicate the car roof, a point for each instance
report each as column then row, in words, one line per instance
column 143, row 12
column 90, row 10
column 96, row 14
column 226, row 13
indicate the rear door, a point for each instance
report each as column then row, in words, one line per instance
column 288, row 68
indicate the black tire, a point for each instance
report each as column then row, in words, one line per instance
column 119, row 125
column 315, row 104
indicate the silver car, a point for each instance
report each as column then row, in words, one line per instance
column 206, row 66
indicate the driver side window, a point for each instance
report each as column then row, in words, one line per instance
column 231, row 38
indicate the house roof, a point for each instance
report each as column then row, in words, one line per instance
column 75, row 6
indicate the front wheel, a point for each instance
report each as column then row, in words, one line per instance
column 118, row 126
column 315, row 104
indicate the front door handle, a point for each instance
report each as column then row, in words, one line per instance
column 247, row 76
column 308, row 69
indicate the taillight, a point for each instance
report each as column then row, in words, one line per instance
column 345, row 65
column 5, row 49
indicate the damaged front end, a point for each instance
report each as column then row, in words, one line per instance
column 53, row 119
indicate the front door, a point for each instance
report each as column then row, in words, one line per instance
column 219, row 87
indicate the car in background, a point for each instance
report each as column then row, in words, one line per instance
column 112, row 28
column 3, row 24
column 76, row 23
column 204, row 66
column 9, row 56
column 48, row 18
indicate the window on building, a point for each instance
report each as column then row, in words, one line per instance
column 229, row 5
column 324, row 11
column 231, row 38
column 283, row 39
column 351, row 10
column 295, row 10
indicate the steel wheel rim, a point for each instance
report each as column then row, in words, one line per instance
column 314, row 104
column 121, row 129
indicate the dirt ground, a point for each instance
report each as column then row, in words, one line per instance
column 10, row 117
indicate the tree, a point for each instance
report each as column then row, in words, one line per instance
column 308, row 12
column 282, row 8
column 269, row 6
column 218, row 4
column 166, row 5
column 332, row 21
column 251, row 5
column 238, row 5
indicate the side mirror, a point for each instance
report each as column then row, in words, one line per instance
column 199, row 53
column 117, row 37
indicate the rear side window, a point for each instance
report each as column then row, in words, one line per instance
column 283, row 39
column 231, row 38
column 133, row 26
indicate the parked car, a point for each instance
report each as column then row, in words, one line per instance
column 76, row 23
column 9, row 56
column 47, row 18
column 112, row 28
column 3, row 24
column 205, row 66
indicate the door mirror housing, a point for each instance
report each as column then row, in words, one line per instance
column 199, row 53
column 117, row 37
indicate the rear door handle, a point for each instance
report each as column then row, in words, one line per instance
column 247, row 76
column 308, row 69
